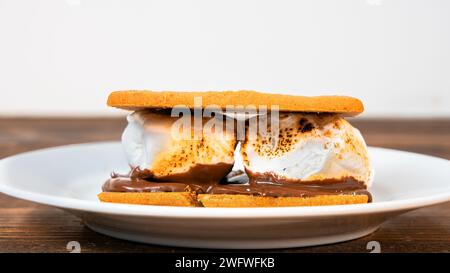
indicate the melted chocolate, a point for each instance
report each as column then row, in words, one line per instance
column 199, row 179
column 234, row 183
column 304, row 189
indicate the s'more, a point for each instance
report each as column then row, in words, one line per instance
column 239, row 149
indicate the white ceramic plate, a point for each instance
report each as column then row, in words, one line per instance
column 70, row 177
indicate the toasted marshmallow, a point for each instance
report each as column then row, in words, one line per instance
column 150, row 143
column 309, row 147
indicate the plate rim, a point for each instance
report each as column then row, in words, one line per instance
column 219, row 213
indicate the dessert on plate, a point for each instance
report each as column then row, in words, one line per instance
column 239, row 149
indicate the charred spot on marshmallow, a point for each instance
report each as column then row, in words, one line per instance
column 273, row 145
column 308, row 127
column 303, row 121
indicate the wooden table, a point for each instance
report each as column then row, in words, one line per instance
column 29, row 227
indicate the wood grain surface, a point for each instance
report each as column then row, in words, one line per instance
column 29, row 227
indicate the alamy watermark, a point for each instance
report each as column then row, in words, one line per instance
column 73, row 247
column 374, row 247
column 235, row 121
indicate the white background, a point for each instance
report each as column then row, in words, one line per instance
column 62, row 57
